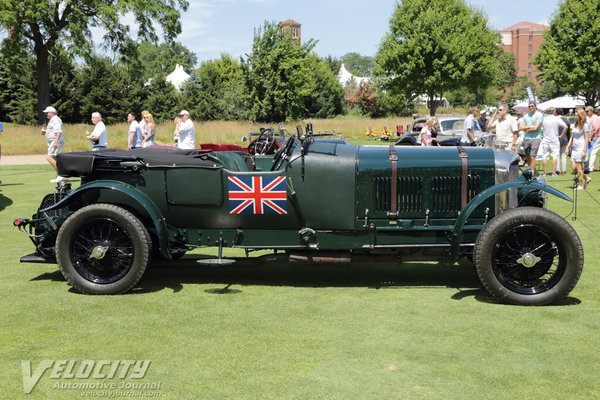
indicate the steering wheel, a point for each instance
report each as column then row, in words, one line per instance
column 282, row 153
column 264, row 143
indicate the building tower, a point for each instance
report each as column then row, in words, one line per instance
column 523, row 40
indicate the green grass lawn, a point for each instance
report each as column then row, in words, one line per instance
column 378, row 331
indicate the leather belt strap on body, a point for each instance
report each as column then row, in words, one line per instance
column 394, row 184
column 462, row 154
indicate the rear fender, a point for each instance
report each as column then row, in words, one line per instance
column 137, row 195
column 482, row 197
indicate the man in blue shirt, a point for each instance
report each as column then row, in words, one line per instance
column 531, row 124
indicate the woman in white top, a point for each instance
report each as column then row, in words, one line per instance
column 148, row 134
column 426, row 132
column 578, row 144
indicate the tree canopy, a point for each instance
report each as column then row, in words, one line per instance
column 283, row 79
column 45, row 24
column 358, row 65
column 434, row 46
column 569, row 56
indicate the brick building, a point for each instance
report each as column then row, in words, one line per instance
column 523, row 40
column 293, row 28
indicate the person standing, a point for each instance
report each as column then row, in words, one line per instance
column 148, row 135
column 468, row 136
column 54, row 138
column 135, row 132
column 177, row 122
column 506, row 128
column 483, row 120
column 98, row 138
column 594, row 137
column 578, row 143
column 532, row 126
column 564, row 140
column 426, row 138
column 187, row 132
column 554, row 130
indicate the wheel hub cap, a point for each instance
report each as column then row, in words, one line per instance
column 99, row 252
column 528, row 260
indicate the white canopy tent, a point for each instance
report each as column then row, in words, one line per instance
column 562, row 102
column 344, row 76
column 178, row 76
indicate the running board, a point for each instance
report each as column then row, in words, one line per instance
column 38, row 258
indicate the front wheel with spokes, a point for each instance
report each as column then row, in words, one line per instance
column 528, row 256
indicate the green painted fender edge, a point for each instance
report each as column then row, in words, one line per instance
column 483, row 196
column 142, row 198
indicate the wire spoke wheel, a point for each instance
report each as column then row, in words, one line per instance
column 103, row 249
column 528, row 256
column 528, row 260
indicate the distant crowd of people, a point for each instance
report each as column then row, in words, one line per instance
column 549, row 133
column 139, row 135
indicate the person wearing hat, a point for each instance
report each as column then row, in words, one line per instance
column 532, row 126
column 594, row 134
column 483, row 120
column 187, row 132
column 55, row 139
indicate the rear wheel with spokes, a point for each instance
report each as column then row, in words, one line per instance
column 103, row 249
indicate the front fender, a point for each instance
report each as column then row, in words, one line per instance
column 483, row 196
column 142, row 198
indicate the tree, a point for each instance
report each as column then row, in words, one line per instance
column 434, row 46
column 162, row 58
column 569, row 56
column 285, row 80
column 358, row 65
column 217, row 90
column 47, row 23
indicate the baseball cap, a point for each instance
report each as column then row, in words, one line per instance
column 184, row 112
column 589, row 108
column 482, row 112
column 50, row 109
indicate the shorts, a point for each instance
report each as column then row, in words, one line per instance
column 550, row 149
column 530, row 147
column 54, row 151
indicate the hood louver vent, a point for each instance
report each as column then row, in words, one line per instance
column 443, row 197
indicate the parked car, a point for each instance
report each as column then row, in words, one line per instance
column 315, row 200
column 450, row 129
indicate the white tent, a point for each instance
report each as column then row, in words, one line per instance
column 344, row 76
column 178, row 76
column 562, row 102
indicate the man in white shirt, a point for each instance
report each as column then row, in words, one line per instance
column 554, row 129
column 98, row 138
column 468, row 136
column 55, row 139
column 135, row 132
column 506, row 128
column 187, row 132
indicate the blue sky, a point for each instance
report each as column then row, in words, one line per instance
column 211, row 27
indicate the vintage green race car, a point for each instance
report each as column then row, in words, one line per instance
column 318, row 200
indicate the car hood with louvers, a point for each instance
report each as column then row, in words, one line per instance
column 429, row 180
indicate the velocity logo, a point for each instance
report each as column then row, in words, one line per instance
column 69, row 369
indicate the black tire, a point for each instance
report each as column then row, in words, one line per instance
column 122, row 246
column 528, row 256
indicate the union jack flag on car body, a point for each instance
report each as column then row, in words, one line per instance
column 257, row 195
